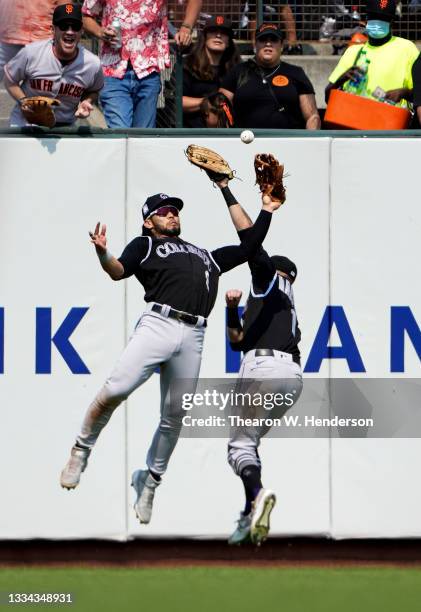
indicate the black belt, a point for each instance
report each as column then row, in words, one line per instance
column 271, row 353
column 185, row 317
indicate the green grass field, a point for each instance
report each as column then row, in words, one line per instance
column 215, row 589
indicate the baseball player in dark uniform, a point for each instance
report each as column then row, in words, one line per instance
column 181, row 284
column 268, row 336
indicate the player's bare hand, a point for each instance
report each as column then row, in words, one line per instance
column 98, row 237
column 84, row 109
column 269, row 204
column 233, row 297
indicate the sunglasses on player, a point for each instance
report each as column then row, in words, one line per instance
column 165, row 210
column 63, row 26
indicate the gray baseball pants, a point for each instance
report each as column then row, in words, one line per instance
column 277, row 374
column 176, row 348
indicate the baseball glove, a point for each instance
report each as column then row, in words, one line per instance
column 212, row 163
column 269, row 176
column 39, row 110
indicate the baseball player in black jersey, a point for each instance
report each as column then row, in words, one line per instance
column 268, row 336
column 181, row 284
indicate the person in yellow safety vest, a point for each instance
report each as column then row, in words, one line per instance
column 388, row 60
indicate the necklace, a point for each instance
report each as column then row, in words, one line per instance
column 267, row 76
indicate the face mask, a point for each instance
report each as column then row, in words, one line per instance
column 376, row 28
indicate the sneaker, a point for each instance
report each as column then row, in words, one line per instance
column 77, row 463
column 242, row 533
column 260, row 523
column 144, row 485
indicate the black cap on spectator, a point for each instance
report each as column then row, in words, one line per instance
column 269, row 28
column 381, row 9
column 219, row 21
column 283, row 264
column 67, row 12
column 158, row 201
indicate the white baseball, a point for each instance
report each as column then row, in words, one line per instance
column 247, row 136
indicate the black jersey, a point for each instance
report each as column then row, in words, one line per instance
column 173, row 272
column 182, row 275
column 267, row 102
column 269, row 318
column 194, row 87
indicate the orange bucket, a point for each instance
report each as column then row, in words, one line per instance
column 345, row 110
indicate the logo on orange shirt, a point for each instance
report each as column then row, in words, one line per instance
column 280, row 81
column 69, row 9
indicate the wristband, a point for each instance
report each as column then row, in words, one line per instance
column 105, row 257
column 186, row 25
column 20, row 100
column 233, row 320
column 228, row 196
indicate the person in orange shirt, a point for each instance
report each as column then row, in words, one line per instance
column 22, row 23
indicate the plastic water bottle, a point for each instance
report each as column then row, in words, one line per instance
column 116, row 25
column 364, row 67
column 358, row 84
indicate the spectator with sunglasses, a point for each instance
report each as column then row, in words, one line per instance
column 60, row 68
column 267, row 92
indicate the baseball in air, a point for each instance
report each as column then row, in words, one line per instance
column 247, row 136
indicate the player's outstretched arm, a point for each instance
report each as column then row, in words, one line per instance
column 239, row 217
column 229, row 257
column 109, row 263
column 234, row 328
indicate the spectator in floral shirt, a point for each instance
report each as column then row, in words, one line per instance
column 132, row 81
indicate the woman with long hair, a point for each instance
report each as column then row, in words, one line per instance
column 213, row 56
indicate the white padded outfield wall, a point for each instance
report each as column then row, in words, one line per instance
column 352, row 225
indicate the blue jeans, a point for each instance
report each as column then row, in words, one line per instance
column 130, row 101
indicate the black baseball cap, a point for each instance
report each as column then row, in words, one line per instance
column 67, row 12
column 283, row 264
column 381, row 9
column 269, row 28
column 158, row 201
column 220, row 22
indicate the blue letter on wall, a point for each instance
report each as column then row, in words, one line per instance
column 334, row 315
column 402, row 320
column 60, row 340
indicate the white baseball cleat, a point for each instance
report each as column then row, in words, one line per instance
column 242, row 533
column 260, row 516
column 144, row 485
column 77, row 463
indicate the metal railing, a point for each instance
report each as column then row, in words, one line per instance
column 314, row 20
